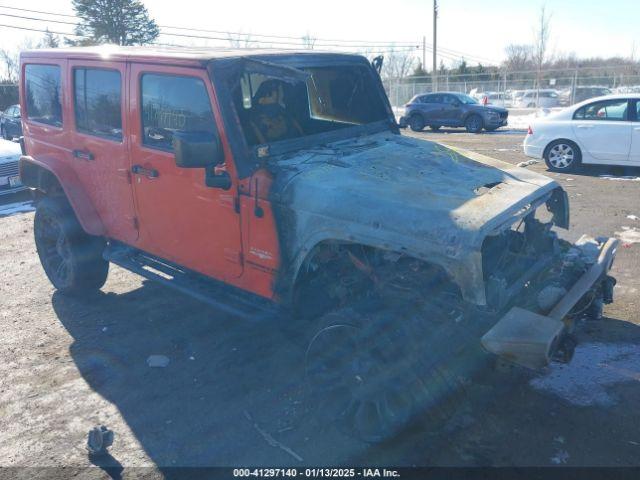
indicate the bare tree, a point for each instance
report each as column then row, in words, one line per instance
column 519, row 57
column 11, row 60
column 397, row 64
column 308, row 41
column 541, row 36
column 240, row 40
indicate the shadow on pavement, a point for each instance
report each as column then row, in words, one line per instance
column 223, row 371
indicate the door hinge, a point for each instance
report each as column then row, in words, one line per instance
column 136, row 224
column 236, row 204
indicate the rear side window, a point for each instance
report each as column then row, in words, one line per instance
column 97, row 100
column 612, row 110
column 43, row 92
column 174, row 104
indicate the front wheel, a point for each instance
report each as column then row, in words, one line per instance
column 72, row 259
column 562, row 156
column 416, row 123
column 474, row 124
column 373, row 369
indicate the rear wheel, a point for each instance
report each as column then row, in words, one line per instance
column 562, row 156
column 416, row 123
column 72, row 259
column 474, row 124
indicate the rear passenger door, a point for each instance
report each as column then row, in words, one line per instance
column 99, row 144
column 603, row 130
column 181, row 218
column 432, row 109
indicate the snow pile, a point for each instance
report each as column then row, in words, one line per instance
column 620, row 179
column 9, row 150
column 594, row 367
column 628, row 235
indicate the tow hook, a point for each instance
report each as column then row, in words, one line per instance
column 566, row 347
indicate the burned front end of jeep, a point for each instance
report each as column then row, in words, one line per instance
column 519, row 295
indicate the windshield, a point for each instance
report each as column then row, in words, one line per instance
column 466, row 99
column 273, row 109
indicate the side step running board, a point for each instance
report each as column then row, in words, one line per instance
column 220, row 296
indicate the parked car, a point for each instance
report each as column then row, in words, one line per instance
column 9, row 177
column 603, row 130
column 579, row 94
column 537, row 99
column 10, row 124
column 452, row 110
column 497, row 99
column 277, row 185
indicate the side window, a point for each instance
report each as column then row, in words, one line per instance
column 612, row 110
column 97, row 100
column 436, row 99
column 426, row 99
column 43, row 94
column 450, row 100
column 174, row 104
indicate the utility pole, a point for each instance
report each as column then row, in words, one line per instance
column 434, row 74
column 424, row 53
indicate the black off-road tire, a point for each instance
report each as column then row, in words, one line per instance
column 435, row 128
column 405, row 379
column 72, row 259
column 416, row 123
column 474, row 123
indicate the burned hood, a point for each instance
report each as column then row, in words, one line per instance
column 388, row 184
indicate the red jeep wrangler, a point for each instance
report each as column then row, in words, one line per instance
column 262, row 182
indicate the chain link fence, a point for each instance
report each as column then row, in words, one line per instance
column 520, row 89
column 8, row 95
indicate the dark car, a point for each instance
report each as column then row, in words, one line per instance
column 577, row 95
column 10, row 123
column 452, row 110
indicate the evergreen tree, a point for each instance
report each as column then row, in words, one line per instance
column 120, row 22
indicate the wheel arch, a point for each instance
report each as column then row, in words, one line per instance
column 53, row 178
column 307, row 256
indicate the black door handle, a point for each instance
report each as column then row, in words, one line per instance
column 83, row 154
column 147, row 172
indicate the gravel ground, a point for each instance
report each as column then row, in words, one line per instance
column 232, row 386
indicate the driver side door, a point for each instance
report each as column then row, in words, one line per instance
column 181, row 219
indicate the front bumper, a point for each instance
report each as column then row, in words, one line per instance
column 495, row 122
column 531, row 339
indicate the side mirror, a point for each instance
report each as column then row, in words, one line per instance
column 197, row 149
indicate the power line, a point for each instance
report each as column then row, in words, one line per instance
column 205, row 37
column 160, row 44
column 386, row 43
column 447, row 53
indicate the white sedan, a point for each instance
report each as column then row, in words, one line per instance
column 602, row 131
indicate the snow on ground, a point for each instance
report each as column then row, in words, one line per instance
column 594, row 367
column 9, row 150
column 621, row 179
column 628, row 235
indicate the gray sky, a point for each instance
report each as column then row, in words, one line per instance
column 479, row 30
